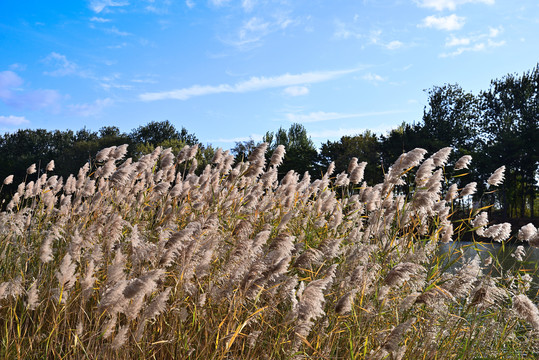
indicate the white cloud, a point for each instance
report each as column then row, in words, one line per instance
column 373, row 77
column 99, row 5
column 190, row 4
column 90, row 109
column 12, row 94
column 374, row 36
column 118, row 46
column 9, row 81
column 440, row 5
column 448, row 23
column 474, row 48
column 248, row 5
column 344, row 31
column 99, row 19
column 13, row 120
column 114, row 30
column 111, row 82
column 454, row 41
column 493, row 32
column 144, row 81
column 473, row 43
column 17, row 66
column 219, row 2
column 63, row 66
column 318, row 116
column 296, row 90
column 253, row 30
column 253, row 84
column 392, row 45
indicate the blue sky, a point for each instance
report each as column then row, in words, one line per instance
column 230, row 70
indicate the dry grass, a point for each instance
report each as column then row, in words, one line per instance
column 149, row 260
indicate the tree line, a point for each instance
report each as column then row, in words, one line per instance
column 496, row 127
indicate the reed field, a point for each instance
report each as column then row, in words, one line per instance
column 149, row 259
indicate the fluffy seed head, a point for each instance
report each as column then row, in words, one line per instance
column 497, row 177
column 526, row 310
column 527, row 232
column 498, row 232
column 440, row 157
column 278, row 155
column 463, row 162
column 50, row 166
column 469, row 189
column 31, row 169
column 356, row 176
column 8, row 180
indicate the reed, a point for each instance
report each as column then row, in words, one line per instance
column 148, row 259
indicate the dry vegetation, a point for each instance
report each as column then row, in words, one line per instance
column 149, row 260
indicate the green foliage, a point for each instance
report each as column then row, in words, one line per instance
column 242, row 149
column 157, row 132
column 450, row 119
column 301, row 153
column 510, row 136
column 364, row 147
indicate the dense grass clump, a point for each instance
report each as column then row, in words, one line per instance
column 149, row 260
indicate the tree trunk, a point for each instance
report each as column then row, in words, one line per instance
column 523, row 200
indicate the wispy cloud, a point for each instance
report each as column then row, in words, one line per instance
column 9, row 81
column 112, row 82
column 13, row 120
column 117, row 46
column 17, row 66
column 393, row 45
column 296, row 90
column 100, row 5
column 448, row 23
column 248, row 5
column 253, row 84
column 374, row 37
column 190, row 4
column 90, row 109
column 12, row 94
column 219, row 2
column 318, row 116
column 473, row 43
column 457, row 41
column 374, row 78
column 441, row 5
column 254, row 30
column 99, row 19
column 114, row 30
column 159, row 9
column 63, row 66
column 344, row 31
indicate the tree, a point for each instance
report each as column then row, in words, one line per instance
column 301, row 154
column 25, row 147
column 404, row 138
column 365, row 147
column 243, row 149
column 156, row 132
column 509, row 124
column 450, row 119
column 110, row 131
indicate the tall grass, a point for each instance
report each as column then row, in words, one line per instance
column 149, row 260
